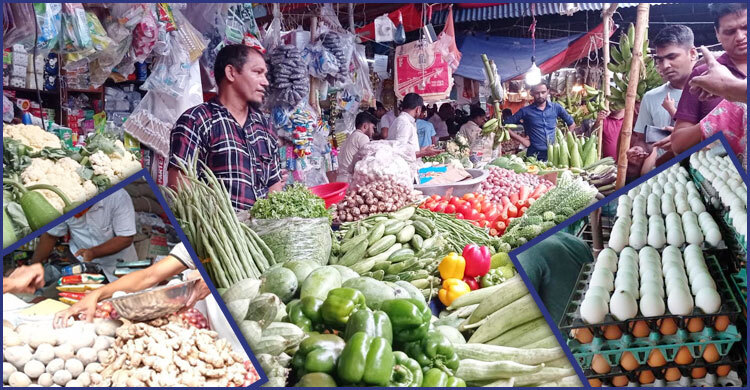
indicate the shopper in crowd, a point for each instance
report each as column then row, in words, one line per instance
column 539, row 121
column 364, row 130
column 611, row 127
column 25, row 279
column 425, row 131
column 100, row 234
column 229, row 133
column 440, row 121
column 675, row 57
column 730, row 23
column 553, row 266
column 179, row 260
column 480, row 145
column 386, row 120
column 404, row 128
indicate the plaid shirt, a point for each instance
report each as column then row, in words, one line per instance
column 245, row 158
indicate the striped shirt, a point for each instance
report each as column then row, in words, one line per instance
column 245, row 158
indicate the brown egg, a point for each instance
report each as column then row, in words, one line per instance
column 640, row 329
column 620, row 381
column 668, row 326
column 600, row 365
column 672, row 374
column 695, row 325
column 583, row 335
column 656, row 359
column 683, row 356
column 698, row 372
column 723, row 370
column 594, row 382
column 711, row 354
column 722, row 323
column 612, row 332
column 646, row 377
column 628, row 362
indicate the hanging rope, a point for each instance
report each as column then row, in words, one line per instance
column 532, row 28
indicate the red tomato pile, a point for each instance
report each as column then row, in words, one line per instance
column 481, row 212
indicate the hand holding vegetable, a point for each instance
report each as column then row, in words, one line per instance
column 84, row 309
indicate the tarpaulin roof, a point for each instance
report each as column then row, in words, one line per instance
column 515, row 10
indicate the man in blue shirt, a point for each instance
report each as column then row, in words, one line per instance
column 425, row 130
column 539, row 121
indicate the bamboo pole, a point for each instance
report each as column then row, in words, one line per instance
column 641, row 24
column 607, row 20
column 351, row 17
column 314, row 103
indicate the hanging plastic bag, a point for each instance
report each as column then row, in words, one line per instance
column 20, row 20
column 170, row 73
column 362, row 74
column 288, row 86
column 49, row 20
column 387, row 161
column 144, row 35
column 341, row 46
column 321, row 63
column 76, row 37
column 384, row 29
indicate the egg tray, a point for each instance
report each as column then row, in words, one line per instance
column 696, row 347
column 730, row 380
column 572, row 318
column 737, row 239
column 739, row 285
column 704, row 245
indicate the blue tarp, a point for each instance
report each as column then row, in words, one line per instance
column 511, row 55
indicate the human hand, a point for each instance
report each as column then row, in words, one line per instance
column 84, row 309
column 87, row 254
column 27, row 279
column 200, row 290
column 713, row 81
column 668, row 104
column 601, row 115
column 669, row 128
column 636, row 154
column 665, row 143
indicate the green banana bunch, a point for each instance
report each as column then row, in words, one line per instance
column 502, row 132
column 574, row 104
column 619, row 65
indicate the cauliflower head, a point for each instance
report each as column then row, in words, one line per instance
column 115, row 166
column 32, row 136
column 61, row 174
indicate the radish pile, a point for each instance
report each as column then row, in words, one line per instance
column 504, row 182
column 723, row 176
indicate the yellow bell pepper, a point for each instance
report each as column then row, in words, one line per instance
column 452, row 266
column 452, row 289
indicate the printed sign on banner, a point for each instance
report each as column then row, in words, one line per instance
column 419, row 68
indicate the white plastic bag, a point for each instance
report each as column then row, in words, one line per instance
column 384, row 160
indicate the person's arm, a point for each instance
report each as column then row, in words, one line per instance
column 565, row 116
column 649, row 162
column 43, row 248
column 24, row 279
column 669, row 105
column 132, row 282
column 515, row 118
column 718, row 80
column 685, row 135
column 384, row 133
column 113, row 245
column 525, row 141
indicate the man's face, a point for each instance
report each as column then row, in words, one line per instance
column 380, row 112
column 251, row 81
column 418, row 112
column 675, row 62
column 480, row 120
column 540, row 94
column 368, row 129
column 732, row 34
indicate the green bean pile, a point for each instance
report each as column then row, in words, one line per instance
column 230, row 250
column 459, row 233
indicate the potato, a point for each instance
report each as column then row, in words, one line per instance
column 45, row 353
column 27, row 331
column 85, row 379
column 82, row 341
column 102, row 343
column 106, row 327
column 62, row 377
column 55, row 365
column 33, row 368
column 44, row 336
column 19, row 379
column 74, row 366
column 74, row 383
column 94, row 368
column 45, row 379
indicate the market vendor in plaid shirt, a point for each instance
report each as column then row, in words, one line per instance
column 229, row 133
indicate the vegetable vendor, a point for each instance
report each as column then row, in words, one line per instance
column 101, row 234
column 539, row 121
column 553, row 266
column 480, row 145
column 404, row 128
column 229, row 133
column 364, row 130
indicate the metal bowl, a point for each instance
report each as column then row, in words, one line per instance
column 155, row 302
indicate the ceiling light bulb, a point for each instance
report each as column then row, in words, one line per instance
column 534, row 74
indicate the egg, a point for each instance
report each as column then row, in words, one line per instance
column 583, row 335
column 683, row 356
column 672, row 374
column 627, row 263
column 708, row 300
column 648, row 252
column 593, row 309
column 698, row 372
column 629, row 252
column 671, row 253
column 612, row 332
column 723, row 370
column 622, row 305
column 620, row 381
column 680, row 302
column 628, row 362
column 700, row 282
column 597, row 291
column 595, row 382
column 696, row 272
column 711, row 354
column 668, row 326
column 646, row 377
column 676, row 284
column 607, row 258
column 656, row 358
column 602, row 277
column 600, row 365
column 640, row 329
column 651, row 289
column 722, row 323
column 674, row 271
column 695, row 325
column 653, row 277
column 652, row 305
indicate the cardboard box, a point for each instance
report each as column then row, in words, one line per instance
column 18, row 82
column 18, row 71
column 152, row 247
column 20, row 59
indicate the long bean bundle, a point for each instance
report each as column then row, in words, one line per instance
column 460, row 232
column 230, row 250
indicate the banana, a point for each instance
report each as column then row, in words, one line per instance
column 631, row 34
column 490, row 123
column 615, row 54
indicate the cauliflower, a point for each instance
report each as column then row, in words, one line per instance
column 115, row 166
column 32, row 136
column 61, row 174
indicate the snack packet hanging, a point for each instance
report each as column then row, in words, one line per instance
column 75, row 29
column 49, row 20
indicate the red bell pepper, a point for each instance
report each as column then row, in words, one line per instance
column 472, row 282
column 477, row 260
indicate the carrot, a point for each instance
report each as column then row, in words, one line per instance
column 506, row 201
column 514, row 199
column 523, row 194
column 539, row 191
column 523, row 210
column 512, row 211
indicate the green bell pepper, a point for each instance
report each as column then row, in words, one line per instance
column 436, row 377
column 374, row 323
column 410, row 318
column 406, row 371
column 305, row 313
column 340, row 304
column 497, row 276
column 318, row 353
column 366, row 360
column 433, row 351
column 316, row 379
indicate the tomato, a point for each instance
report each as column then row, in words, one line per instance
column 440, row 207
column 473, row 215
column 464, row 208
column 435, row 197
column 482, row 216
column 455, row 200
column 483, row 223
column 469, row 196
column 492, row 213
column 493, row 232
column 450, row 209
column 459, row 216
column 429, row 205
column 486, row 204
column 476, row 204
column 475, row 223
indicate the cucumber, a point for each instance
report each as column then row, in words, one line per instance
column 428, row 243
column 413, row 291
column 381, row 265
column 244, row 289
column 547, row 342
column 348, row 245
column 375, row 292
column 354, row 255
column 251, row 331
column 363, row 266
column 401, row 255
column 452, row 334
column 394, row 228
column 524, row 334
column 301, row 268
column 280, row 281
column 476, row 370
column 346, row 272
column 238, row 308
column 416, row 242
column 516, row 313
column 422, row 229
column 406, row 234
column 376, row 233
column 427, row 222
column 381, row 245
column 491, row 353
column 482, row 294
column 503, row 295
column 320, row 282
column 404, row 214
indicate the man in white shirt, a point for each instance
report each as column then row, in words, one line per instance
column 675, row 57
column 365, row 128
column 101, row 234
column 444, row 113
column 404, row 128
column 386, row 120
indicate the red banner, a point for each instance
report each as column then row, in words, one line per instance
column 580, row 48
column 412, row 21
